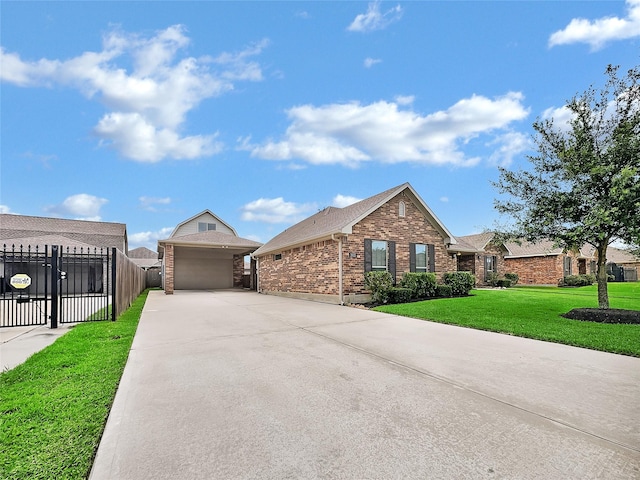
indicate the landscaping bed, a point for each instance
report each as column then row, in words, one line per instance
column 610, row 315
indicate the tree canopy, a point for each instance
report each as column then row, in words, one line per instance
column 583, row 184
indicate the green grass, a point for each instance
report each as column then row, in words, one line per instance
column 53, row 407
column 534, row 312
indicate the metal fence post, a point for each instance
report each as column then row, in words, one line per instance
column 114, row 289
column 55, row 275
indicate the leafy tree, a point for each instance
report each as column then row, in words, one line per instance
column 584, row 184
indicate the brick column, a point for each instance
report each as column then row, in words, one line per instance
column 168, row 269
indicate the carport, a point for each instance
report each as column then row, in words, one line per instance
column 205, row 261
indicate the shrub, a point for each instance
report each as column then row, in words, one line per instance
column 503, row 283
column 578, row 280
column 422, row 285
column 399, row 295
column 444, row 291
column 492, row 279
column 513, row 277
column 379, row 284
column 461, row 283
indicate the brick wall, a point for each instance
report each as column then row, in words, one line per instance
column 168, row 269
column 540, row 270
column 314, row 268
column 238, row 270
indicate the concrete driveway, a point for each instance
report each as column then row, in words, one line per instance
column 237, row 385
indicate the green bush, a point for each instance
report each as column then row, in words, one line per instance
column 379, row 284
column 578, row 280
column 461, row 283
column 503, row 283
column 513, row 277
column 492, row 279
column 444, row 291
column 399, row 295
column 422, row 285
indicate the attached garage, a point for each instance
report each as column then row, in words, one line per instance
column 204, row 261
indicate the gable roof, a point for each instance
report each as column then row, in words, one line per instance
column 143, row 252
column 336, row 221
column 200, row 214
column 210, row 239
column 472, row 243
column 68, row 232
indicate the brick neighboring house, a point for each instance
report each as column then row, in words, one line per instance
column 203, row 253
column 539, row 263
column 325, row 256
column 621, row 258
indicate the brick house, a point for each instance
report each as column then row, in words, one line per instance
column 203, row 253
column 325, row 256
column 540, row 263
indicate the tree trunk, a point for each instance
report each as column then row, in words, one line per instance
column 603, row 293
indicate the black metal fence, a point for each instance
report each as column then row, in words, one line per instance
column 52, row 284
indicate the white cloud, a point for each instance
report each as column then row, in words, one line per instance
column 351, row 133
column 149, row 102
column 276, row 210
column 370, row 62
column 81, row 206
column 148, row 239
column 149, row 203
column 444, row 199
column 405, row 99
column 374, row 19
column 342, row 201
column 598, row 33
column 5, row 209
column 509, row 145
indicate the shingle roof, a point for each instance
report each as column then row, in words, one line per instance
column 143, row 252
column 98, row 234
column 211, row 238
column 616, row 255
column 473, row 243
column 530, row 249
column 333, row 220
column 39, row 242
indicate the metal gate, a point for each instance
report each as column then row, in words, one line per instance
column 52, row 284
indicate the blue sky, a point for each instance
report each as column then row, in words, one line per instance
column 147, row 113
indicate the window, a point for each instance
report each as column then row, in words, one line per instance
column 567, row 266
column 421, row 258
column 489, row 266
column 378, row 256
column 277, row 256
column 402, row 209
column 203, row 226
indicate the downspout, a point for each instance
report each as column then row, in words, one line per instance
column 257, row 259
column 340, row 286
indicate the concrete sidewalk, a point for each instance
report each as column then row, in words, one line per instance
column 234, row 384
column 17, row 344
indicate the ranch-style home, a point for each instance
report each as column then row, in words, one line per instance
column 325, row 257
column 203, row 253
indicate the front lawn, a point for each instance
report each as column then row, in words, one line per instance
column 534, row 312
column 53, row 407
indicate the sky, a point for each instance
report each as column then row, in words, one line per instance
column 147, row 113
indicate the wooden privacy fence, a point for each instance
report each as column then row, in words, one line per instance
column 131, row 280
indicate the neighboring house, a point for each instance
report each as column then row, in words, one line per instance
column 83, row 244
column 622, row 265
column 149, row 261
column 325, row 257
column 26, row 230
column 203, row 253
